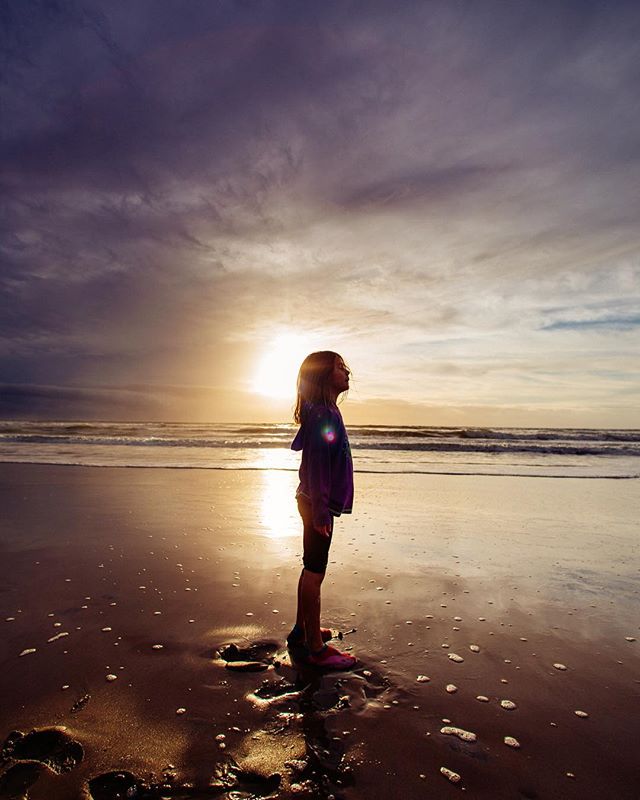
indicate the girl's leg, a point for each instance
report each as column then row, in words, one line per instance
column 299, row 614
column 310, row 597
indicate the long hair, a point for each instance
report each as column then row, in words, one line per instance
column 314, row 385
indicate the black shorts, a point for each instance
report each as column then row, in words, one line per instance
column 316, row 546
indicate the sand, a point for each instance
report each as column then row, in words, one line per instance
column 121, row 587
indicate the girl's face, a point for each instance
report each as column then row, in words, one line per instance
column 340, row 376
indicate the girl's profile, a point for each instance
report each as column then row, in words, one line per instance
column 325, row 492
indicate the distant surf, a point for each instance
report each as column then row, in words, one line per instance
column 539, row 452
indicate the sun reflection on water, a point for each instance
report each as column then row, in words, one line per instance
column 278, row 511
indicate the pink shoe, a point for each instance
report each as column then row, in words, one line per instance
column 330, row 658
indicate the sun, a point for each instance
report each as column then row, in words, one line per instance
column 277, row 372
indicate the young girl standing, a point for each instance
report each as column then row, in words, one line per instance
column 325, row 492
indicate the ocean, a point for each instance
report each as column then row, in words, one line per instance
column 527, row 452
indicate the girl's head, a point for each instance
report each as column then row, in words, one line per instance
column 322, row 377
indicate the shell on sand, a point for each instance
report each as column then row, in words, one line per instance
column 511, row 742
column 561, row 667
column 451, row 688
column 423, row 679
column 455, row 657
column 629, row 638
column 450, row 775
column 246, row 666
column 181, row 710
column 57, row 636
column 28, row 651
column 465, row 736
column 582, row 714
column 482, row 698
column 508, row 704
column 111, row 677
column 474, row 648
column 157, row 646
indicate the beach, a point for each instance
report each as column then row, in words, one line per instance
column 121, row 587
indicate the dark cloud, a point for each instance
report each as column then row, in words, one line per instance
column 179, row 177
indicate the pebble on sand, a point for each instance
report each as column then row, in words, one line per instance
column 450, row 775
column 111, row 677
column 474, row 648
column 508, row 704
column 482, row 698
column 629, row 638
column 465, row 736
column 451, row 688
column 581, row 714
column 511, row 742
column 455, row 657
column 28, row 651
column 561, row 667
column 423, row 679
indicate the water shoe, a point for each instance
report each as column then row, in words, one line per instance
column 330, row 658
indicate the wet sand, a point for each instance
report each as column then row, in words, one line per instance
column 148, row 574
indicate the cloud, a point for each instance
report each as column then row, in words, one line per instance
column 425, row 186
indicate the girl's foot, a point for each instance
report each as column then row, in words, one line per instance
column 296, row 637
column 330, row 658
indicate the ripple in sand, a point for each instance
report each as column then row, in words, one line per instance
column 455, row 657
column 511, row 742
column 465, row 736
column 28, row 651
column 450, row 775
column 451, row 688
column 474, row 648
column 482, row 698
column 561, row 667
column 509, row 705
column 581, row 714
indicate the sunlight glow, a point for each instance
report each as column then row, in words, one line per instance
column 278, row 514
column 278, row 369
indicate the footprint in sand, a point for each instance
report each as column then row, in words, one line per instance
column 28, row 755
column 254, row 657
column 51, row 747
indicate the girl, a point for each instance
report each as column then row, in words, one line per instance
column 325, row 492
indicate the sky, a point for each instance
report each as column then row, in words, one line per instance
column 195, row 194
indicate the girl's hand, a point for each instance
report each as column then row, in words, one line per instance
column 324, row 530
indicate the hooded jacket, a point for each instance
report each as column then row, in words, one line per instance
column 326, row 469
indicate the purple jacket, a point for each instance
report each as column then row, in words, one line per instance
column 326, row 470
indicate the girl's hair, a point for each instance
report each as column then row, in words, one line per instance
column 314, row 384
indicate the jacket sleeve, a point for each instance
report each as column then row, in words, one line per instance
column 319, row 439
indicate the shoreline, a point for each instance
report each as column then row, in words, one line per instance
column 551, row 567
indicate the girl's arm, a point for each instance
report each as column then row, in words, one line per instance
column 321, row 434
